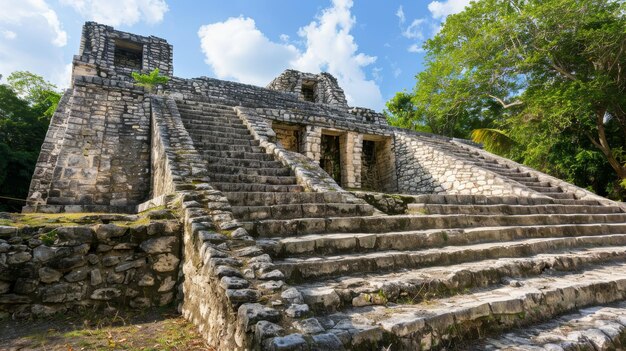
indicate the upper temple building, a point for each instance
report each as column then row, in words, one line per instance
column 304, row 223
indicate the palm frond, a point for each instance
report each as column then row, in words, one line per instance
column 494, row 140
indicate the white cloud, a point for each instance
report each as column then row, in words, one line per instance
column 397, row 72
column 328, row 46
column 442, row 9
column 415, row 48
column 400, row 15
column 16, row 14
column 414, row 30
column 377, row 74
column 284, row 37
column 41, row 38
column 118, row 12
column 8, row 34
column 236, row 49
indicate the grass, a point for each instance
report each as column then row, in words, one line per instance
column 156, row 329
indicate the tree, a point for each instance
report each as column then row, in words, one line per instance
column 538, row 70
column 151, row 80
column 26, row 106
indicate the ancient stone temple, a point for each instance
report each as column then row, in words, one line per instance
column 303, row 223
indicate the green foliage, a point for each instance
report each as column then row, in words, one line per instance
column 150, row 80
column 494, row 140
column 548, row 74
column 49, row 238
column 26, row 106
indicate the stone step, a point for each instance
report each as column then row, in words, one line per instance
column 509, row 209
column 546, row 189
column 382, row 224
column 478, row 200
column 450, row 322
column 246, row 178
column 205, row 108
column 493, row 200
column 210, row 121
column 232, row 170
column 340, row 243
column 269, row 199
column 599, row 328
column 246, row 163
column 259, row 156
column 555, row 195
column 309, row 268
column 416, row 285
column 510, row 173
column 209, row 134
column 201, row 142
column 523, row 177
column 230, row 147
column 536, row 184
column 309, row 210
column 217, row 128
column 575, row 202
column 254, row 187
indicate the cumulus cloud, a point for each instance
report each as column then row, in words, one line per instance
column 442, row 9
column 236, row 49
column 18, row 14
column 118, row 12
column 328, row 46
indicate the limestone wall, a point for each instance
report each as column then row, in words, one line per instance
column 96, row 155
column 97, row 53
column 45, row 269
column 422, row 168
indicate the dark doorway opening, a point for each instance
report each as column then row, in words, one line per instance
column 308, row 90
column 370, row 179
column 128, row 54
column 330, row 159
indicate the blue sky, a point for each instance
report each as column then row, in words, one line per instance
column 372, row 47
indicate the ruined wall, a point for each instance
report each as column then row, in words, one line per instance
column 96, row 156
column 324, row 87
column 422, row 168
column 97, row 53
column 46, row 270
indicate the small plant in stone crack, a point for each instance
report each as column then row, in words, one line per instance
column 49, row 237
column 150, row 80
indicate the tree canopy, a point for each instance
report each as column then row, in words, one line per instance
column 27, row 103
column 548, row 74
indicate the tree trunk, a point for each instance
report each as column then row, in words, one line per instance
column 603, row 144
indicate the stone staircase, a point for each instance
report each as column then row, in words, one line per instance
column 466, row 268
column 257, row 186
column 454, row 269
column 515, row 174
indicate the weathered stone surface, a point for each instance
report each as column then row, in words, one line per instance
column 159, row 245
column 106, row 294
column 165, row 263
column 49, row 275
column 106, row 232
